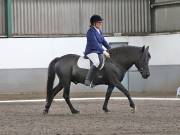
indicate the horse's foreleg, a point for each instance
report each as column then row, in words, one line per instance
column 51, row 97
column 67, row 99
column 108, row 95
column 125, row 91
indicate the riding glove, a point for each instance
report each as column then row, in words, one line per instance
column 106, row 54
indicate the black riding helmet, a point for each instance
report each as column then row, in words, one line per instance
column 95, row 18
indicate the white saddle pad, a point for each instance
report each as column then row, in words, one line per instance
column 83, row 63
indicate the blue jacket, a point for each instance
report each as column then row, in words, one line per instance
column 95, row 42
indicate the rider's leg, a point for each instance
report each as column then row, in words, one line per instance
column 90, row 75
column 101, row 64
column 97, row 61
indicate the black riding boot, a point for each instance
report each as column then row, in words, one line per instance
column 90, row 75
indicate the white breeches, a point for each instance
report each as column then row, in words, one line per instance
column 94, row 58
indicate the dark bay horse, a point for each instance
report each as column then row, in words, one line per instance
column 122, row 58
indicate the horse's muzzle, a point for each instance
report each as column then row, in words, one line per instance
column 146, row 75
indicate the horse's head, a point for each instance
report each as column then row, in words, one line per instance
column 142, row 63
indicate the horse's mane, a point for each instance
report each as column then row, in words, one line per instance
column 123, row 49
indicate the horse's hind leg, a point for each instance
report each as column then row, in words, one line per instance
column 50, row 99
column 67, row 99
column 108, row 95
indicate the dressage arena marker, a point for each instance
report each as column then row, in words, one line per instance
column 85, row 99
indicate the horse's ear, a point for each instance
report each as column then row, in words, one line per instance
column 143, row 48
column 147, row 48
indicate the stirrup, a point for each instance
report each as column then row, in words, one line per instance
column 88, row 83
column 92, row 85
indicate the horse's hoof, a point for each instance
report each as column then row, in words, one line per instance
column 133, row 110
column 45, row 112
column 75, row 112
column 106, row 110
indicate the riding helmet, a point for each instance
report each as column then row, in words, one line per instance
column 95, row 18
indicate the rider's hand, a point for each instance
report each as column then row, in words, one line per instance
column 106, row 54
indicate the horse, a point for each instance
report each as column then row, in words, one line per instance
column 113, row 72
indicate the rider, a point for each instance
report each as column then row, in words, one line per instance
column 94, row 50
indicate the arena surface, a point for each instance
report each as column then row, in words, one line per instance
column 152, row 117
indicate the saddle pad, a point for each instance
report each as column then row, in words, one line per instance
column 83, row 63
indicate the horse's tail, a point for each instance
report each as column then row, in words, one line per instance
column 51, row 77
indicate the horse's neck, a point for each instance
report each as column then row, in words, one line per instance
column 125, row 66
column 126, row 60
